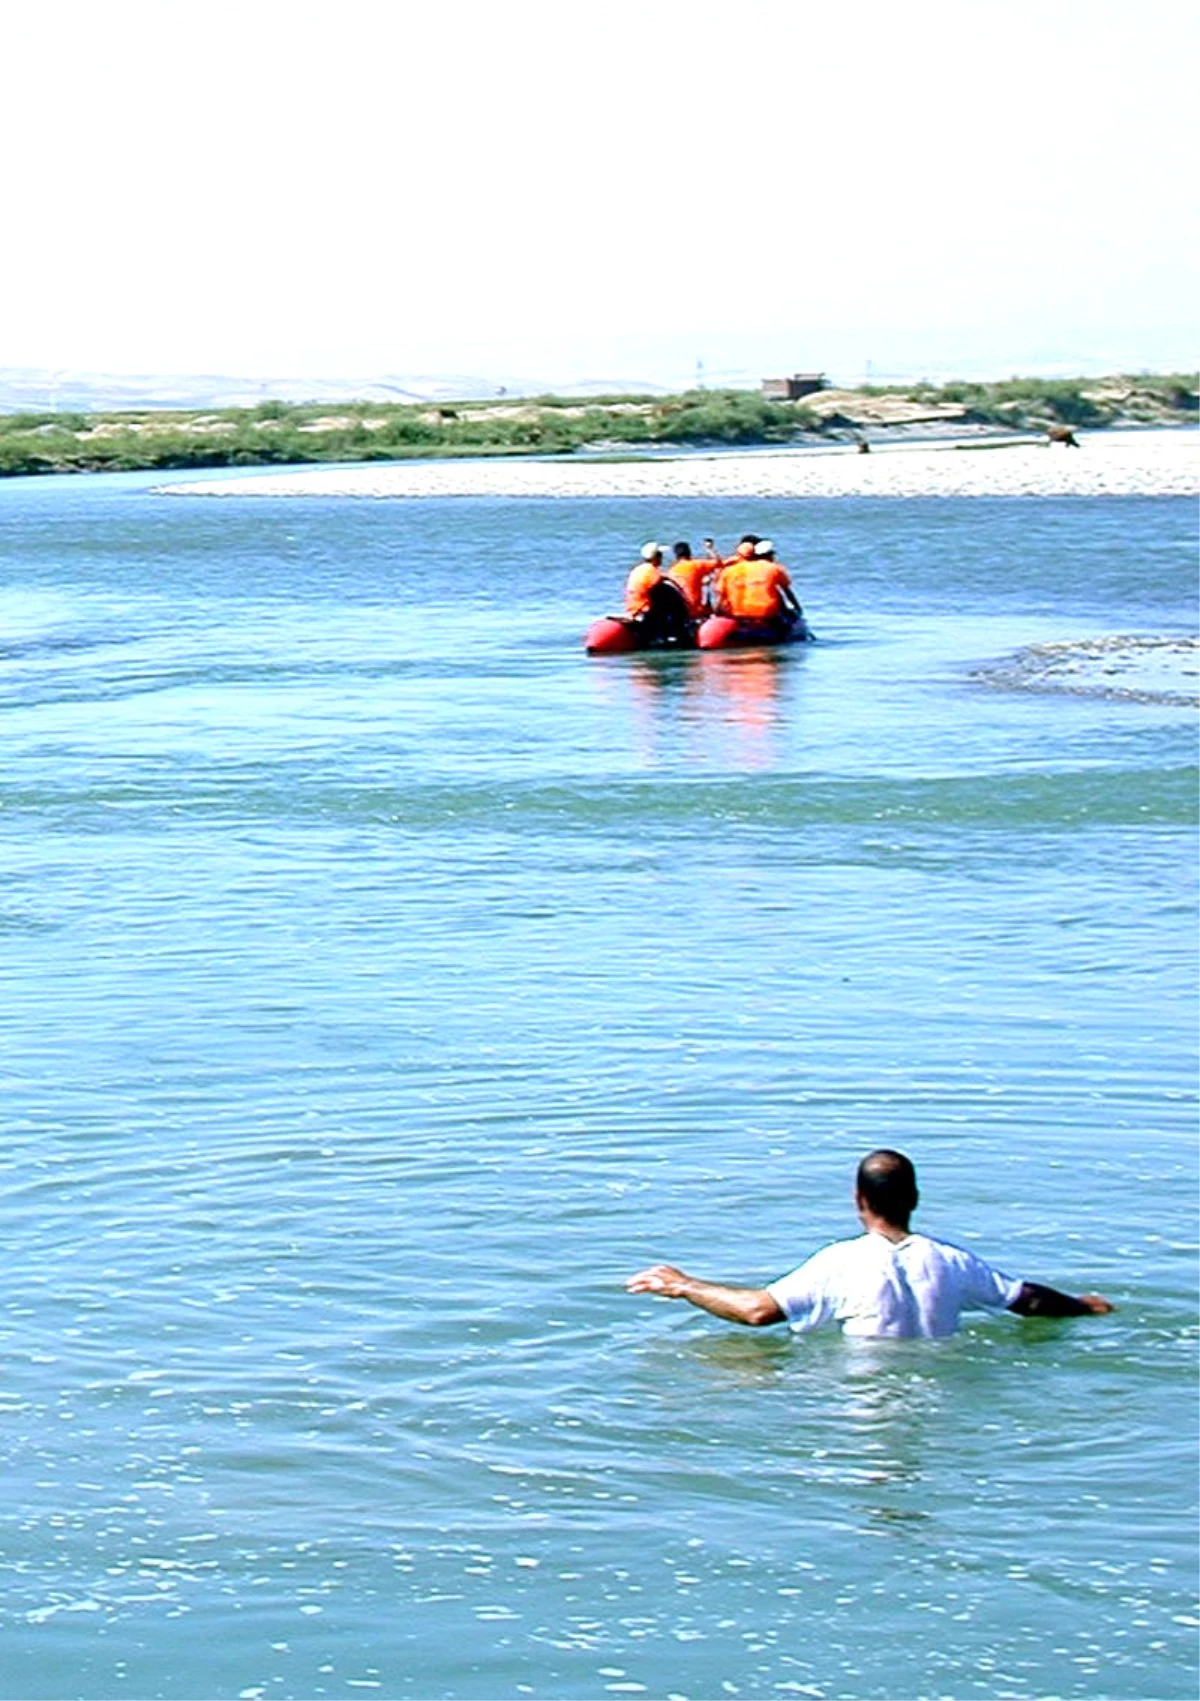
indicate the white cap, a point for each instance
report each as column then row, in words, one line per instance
column 650, row 550
column 764, row 547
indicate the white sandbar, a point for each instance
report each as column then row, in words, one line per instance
column 1142, row 669
column 1107, row 463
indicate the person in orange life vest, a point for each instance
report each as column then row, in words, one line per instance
column 757, row 587
column 691, row 573
column 744, row 550
column 642, row 581
column 656, row 602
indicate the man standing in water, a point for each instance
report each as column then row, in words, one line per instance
column 888, row 1282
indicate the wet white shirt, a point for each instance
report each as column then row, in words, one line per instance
column 874, row 1286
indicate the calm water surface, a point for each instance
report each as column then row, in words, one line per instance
column 381, row 982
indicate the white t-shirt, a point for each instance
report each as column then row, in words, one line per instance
column 874, row 1286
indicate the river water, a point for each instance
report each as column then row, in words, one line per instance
column 383, row 981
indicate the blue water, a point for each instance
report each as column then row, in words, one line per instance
column 382, row 982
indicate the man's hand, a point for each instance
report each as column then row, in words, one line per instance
column 1096, row 1302
column 736, row 1305
column 1036, row 1300
column 659, row 1278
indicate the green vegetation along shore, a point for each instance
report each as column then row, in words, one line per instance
column 278, row 433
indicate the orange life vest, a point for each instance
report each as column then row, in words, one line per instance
column 638, row 587
column 690, row 575
column 750, row 590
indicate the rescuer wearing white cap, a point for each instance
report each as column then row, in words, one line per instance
column 642, row 580
column 757, row 588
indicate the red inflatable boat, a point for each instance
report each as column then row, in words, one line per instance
column 725, row 632
column 617, row 635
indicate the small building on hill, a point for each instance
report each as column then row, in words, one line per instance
column 791, row 389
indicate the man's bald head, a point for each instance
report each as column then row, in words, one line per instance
column 887, row 1185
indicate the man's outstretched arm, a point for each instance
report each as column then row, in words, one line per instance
column 737, row 1305
column 1034, row 1300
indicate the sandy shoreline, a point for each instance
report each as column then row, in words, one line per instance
column 1109, row 463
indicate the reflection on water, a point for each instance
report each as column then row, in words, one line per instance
column 857, row 1413
column 746, row 689
column 708, row 708
column 740, row 1356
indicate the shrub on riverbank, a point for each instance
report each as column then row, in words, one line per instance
column 277, row 433
column 1032, row 403
column 728, row 416
column 1026, row 401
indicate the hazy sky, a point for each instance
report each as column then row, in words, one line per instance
column 625, row 189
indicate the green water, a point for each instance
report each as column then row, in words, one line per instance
column 381, row 982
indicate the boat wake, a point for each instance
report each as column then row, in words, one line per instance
column 1139, row 669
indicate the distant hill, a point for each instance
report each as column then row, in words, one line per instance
column 30, row 389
